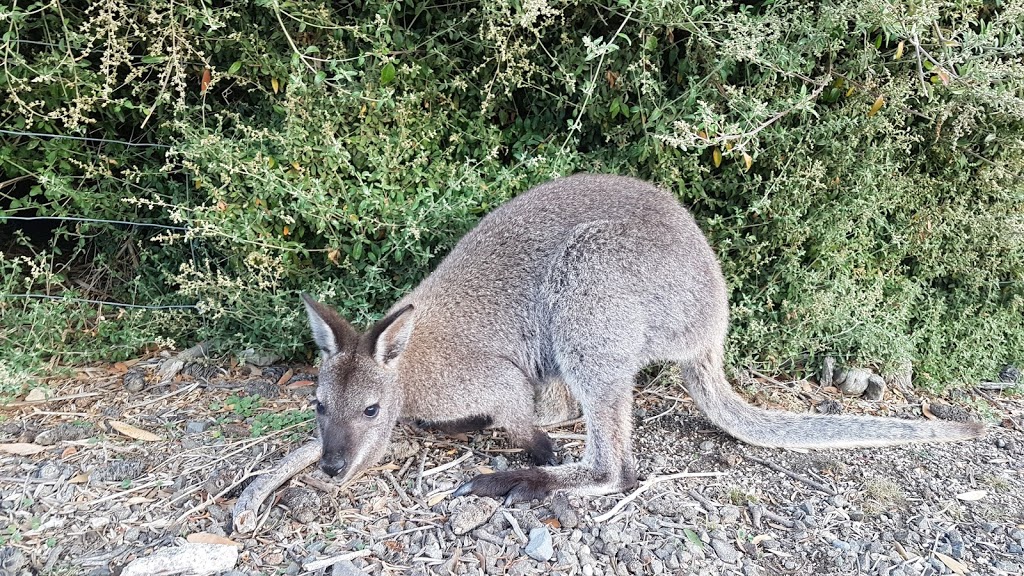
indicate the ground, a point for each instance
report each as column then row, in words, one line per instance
column 114, row 466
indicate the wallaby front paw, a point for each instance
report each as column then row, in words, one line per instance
column 542, row 450
column 514, row 485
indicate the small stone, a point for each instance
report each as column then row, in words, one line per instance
column 853, row 382
column 11, row 560
column 564, row 512
column 951, row 413
column 49, row 471
column 956, row 543
column 62, row 432
column 305, row 504
column 134, row 380
column 190, row 558
column 432, row 551
column 262, row 388
column 842, row 545
column 472, row 513
column 499, row 463
column 707, row 446
column 1014, row 548
column 196, row 426
column 726, row 551
column 36, row 394
column 345, row 568
column 539, row 547
column 876, row 388
column 856, row 515
column 832, row 407
column 1009, row 373
column 828, row 367
column 730, row 514
column 808, row 507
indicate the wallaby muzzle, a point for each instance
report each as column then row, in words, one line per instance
column 333, row 464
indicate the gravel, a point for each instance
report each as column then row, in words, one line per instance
column 92, row 502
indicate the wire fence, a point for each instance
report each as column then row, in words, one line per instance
column 81, row 219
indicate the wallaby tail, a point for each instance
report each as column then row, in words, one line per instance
column 705, row 380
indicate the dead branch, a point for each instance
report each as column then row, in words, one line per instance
column 248, row 504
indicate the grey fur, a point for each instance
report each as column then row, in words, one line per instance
column 574, row 285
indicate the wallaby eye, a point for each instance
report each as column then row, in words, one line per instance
column 371, row 411
column 320, row 408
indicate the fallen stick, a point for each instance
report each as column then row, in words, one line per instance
column 647, row 484
column 314, row 565
column 248, row 505
column 816, row 485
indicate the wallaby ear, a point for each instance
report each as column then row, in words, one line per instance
column 390, row 335
column 331, row 332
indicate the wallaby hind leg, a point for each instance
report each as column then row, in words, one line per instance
column 597, row 344
column 606, row 467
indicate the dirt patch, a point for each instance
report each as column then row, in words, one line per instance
column 116, row 475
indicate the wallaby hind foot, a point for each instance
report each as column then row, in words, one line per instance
column 583, row 281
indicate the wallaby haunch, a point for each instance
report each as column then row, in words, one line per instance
column 584, row 281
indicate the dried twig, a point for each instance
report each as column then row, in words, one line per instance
column 248, row 504
column 48, row 400
column 315, row 565
column 646, row 485
column 443, row 467
column 816, row 485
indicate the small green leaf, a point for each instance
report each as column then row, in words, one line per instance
column 387, row 74
column 235, row 67
column 693, row 538
column 153, row 59
column 320, row 77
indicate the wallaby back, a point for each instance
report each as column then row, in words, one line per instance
column 576, row 285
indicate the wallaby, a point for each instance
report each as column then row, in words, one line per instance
column 583, row 280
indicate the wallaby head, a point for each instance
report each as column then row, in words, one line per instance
column 358, row 399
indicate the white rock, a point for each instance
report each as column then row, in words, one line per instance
column 189, row 559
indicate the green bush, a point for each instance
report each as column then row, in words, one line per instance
column 856, row 164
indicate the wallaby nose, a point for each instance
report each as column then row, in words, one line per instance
column 332, row 466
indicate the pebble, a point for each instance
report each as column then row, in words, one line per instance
column 840, row 544
column 956, row 543
column 499, row 463
column 875, row 389
column 472, row 513
column 345, row 568
column 564, row 512
column 540, row 547
column 49, row 471
column 726, row 551
column 196, row 426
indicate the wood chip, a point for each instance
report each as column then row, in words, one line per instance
column 133, row 432
column 285, row 377
column 952, row 563
column 21, row 448
column 973, row 495
column 436, row 498
column 207, row 538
